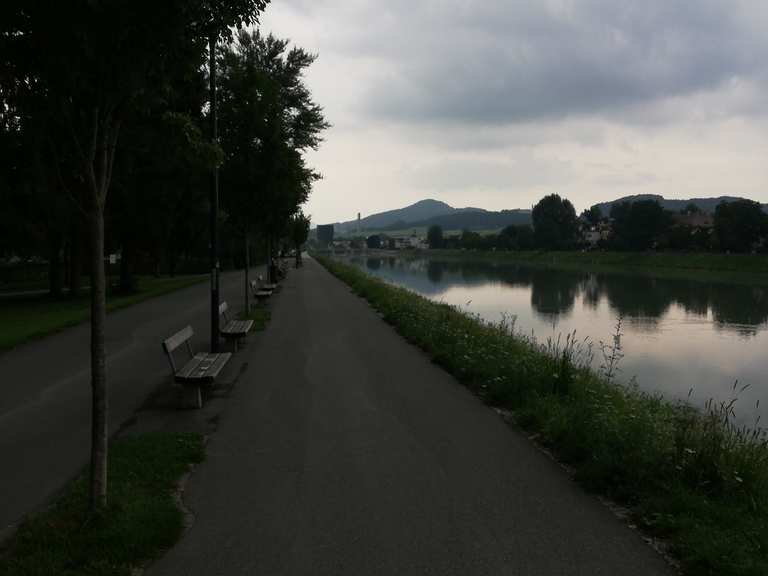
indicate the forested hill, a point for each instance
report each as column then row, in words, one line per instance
column 433, row 212
column 474, row 220
column 705, row 204
column 422, row 210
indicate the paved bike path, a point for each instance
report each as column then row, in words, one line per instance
column 344, row 451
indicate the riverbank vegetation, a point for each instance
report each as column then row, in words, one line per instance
column 691, row 477
column 141, row 520
column 705, row 266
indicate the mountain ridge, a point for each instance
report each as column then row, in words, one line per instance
column 429, row 212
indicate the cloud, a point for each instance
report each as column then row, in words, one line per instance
column 492, row 61
column 495, row 103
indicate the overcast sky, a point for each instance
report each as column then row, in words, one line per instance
column 495, row 103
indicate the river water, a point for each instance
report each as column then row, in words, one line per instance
column 679, row 336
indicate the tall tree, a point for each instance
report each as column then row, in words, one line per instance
column 435, row 237
column 554, row 223
column 639, row 225
column 740, row 225
column 268, row 121
column 298, row 232
column 91, row 59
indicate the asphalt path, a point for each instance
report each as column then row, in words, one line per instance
column 344, row 450
column 45, row 390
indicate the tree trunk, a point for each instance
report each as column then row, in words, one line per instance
column 98, row 484
column 127, row 264
column 54, row 264
column 75, row 260
column 247, row 269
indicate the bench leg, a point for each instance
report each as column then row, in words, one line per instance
column 192, row 397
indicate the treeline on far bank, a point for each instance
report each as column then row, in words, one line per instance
column 740, row 226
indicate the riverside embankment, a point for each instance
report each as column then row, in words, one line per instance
column 688, row 476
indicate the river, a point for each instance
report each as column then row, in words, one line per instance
column 681, row 337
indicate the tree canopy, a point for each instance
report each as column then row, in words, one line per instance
column 554, row 223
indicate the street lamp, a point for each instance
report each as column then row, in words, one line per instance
column 214, row 200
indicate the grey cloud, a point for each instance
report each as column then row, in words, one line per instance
column 510, row 61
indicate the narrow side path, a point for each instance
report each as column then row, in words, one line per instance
column 45, row 390
column 343, row 450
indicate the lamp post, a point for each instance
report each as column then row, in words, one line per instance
column 214, row 200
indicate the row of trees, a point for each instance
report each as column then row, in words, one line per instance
column 109, row 100
column 739, row 226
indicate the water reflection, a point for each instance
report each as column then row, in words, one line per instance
column 642, row 300
column 679, row 334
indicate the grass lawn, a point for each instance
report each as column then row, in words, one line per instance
column 259, row 315
column 140, row 521
column 25, row 318
column 690, row 477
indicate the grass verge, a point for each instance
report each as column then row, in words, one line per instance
column 26, row 318
column 260, row 316
column 691, row 477
column 140, row 521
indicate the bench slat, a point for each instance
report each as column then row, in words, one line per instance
column 170, row 344
column 203, row 367
column 237, row 328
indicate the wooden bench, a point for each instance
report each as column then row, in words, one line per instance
column 200, row 369
column 259, row 292
column 233, row 330
column 264, row 286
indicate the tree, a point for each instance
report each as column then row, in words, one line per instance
column 593, row 216
column 298, row 232
column 91, row 59
column 435, row 237
column 691, row 208
column 470, row 240
column 554, row 223
column 268, row 122
column 516, row 238
column 639, row 225
column 373, row 242
column 740, row 225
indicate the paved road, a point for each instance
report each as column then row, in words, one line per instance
column 343, row 450
column 45, row 390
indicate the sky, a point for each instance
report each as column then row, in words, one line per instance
column 497, row 103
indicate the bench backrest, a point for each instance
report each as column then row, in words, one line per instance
column 181, row 337
column 223, row 307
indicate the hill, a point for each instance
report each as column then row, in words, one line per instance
column 433, row 212
column 422, row 210
column 475, row 219
column 705, row 204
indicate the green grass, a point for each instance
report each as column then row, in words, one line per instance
column 140, row 521
column 26, row 318
column 259, row 315
column 689, row 476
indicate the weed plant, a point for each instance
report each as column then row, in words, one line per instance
column 690, row 476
